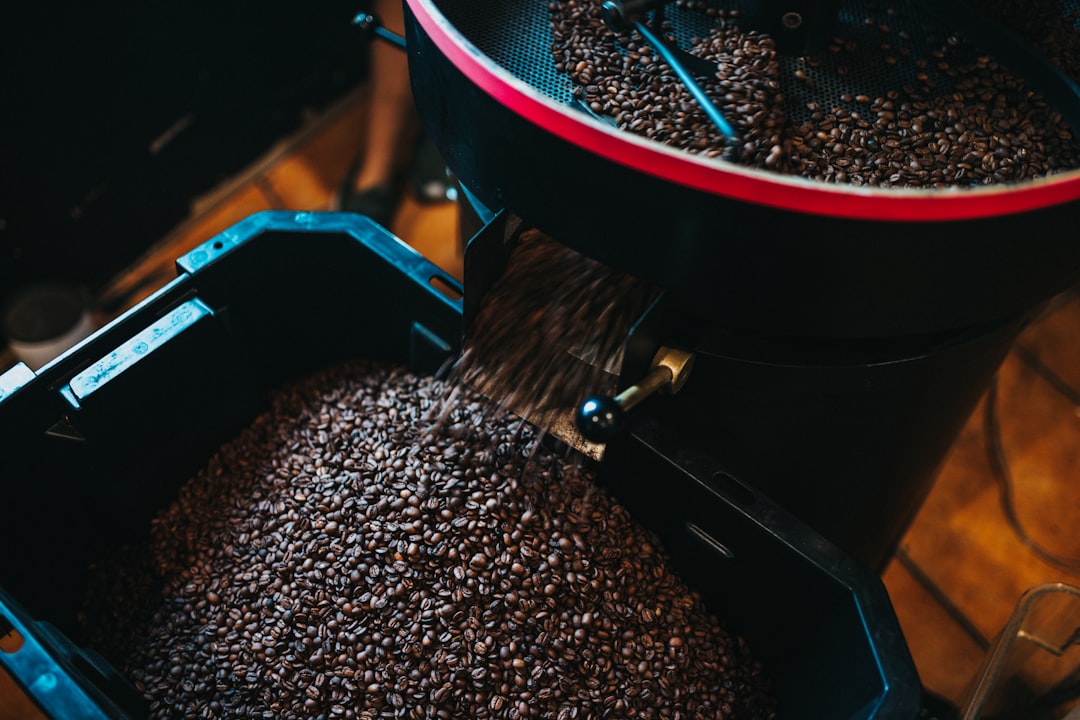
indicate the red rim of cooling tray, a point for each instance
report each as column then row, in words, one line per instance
column 732, row 181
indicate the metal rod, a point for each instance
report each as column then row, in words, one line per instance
column 658, row 378
column 696, row 90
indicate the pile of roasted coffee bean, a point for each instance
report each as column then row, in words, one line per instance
column 341, row 559
column 962, row 120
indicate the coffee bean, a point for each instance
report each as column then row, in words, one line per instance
column 987, row 104
column 300, row 622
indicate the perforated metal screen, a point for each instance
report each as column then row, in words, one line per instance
column 884, row 41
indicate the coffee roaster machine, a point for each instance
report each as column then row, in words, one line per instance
column 842, row 334
column 840, row 337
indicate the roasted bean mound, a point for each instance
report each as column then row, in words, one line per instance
column 341, row 559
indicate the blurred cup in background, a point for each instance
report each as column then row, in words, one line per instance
column 42, row 321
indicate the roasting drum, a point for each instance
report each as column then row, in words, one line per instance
column 736, row 246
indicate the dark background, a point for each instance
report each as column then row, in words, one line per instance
column 86, row 91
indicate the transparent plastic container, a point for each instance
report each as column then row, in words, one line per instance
column 1032, row 671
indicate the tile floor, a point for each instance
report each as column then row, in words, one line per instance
column 961, row 567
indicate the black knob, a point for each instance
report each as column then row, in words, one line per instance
column 371, row 26
column 599, row 419
column 366, row 22
column 614, row 17
column 620, row 15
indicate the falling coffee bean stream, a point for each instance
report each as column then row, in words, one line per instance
column 550, row 331
column 338, row 559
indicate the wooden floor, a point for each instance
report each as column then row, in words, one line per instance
column 961, row 567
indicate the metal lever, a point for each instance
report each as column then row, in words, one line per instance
column 623, row 15
column 370, row 25
column 600, row 419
